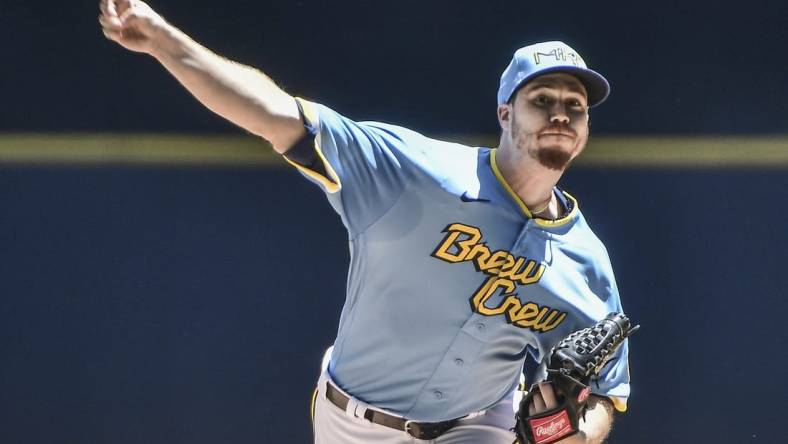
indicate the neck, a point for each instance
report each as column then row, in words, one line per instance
column 531, row 181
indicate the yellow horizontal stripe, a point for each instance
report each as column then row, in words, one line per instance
column 247, row 150
column 690, row 152
column 674, row 151
column 137, row 149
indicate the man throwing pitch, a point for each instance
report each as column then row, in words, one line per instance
column 464, row 261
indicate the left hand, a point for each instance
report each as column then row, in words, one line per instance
column 545, row 399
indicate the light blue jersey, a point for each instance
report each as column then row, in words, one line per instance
column 451, row 282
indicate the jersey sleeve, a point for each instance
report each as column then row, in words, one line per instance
column 613, row 381
column 363, row 167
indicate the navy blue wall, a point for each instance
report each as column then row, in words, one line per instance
column 701, row 66
column 192, row 306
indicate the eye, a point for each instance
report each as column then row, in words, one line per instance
column 541, row 100
column 576, row 104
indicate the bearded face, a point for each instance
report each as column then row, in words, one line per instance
column 549, row 119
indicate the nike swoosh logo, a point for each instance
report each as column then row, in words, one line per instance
column 466, row 198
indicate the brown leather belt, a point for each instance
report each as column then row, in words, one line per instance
column 418, row 430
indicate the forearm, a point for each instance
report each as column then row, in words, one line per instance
column 239, row 93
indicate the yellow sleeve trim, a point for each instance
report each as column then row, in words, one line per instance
column 312, row 406
column 539, row 221
column 331, row 183
column 619, row 403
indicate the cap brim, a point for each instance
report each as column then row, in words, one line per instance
column 597, row 86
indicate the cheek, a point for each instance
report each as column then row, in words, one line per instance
column 582, row 138
column 580, row 125
column 528, row 121
column 583, row 132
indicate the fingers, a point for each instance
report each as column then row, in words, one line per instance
column 112, row 35
column 107, row 8
column 537, row 404
column 543, row 399
column 128, row 17
column 121, row 6
column 548, row 394
column 109, row 18
column 115, row 8
column 110, row 23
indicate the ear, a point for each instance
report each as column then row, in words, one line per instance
column 505, row 117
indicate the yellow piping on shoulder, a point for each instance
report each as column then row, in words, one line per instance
column 332, row 183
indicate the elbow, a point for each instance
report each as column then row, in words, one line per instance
column 282, row 135
column 280, row 125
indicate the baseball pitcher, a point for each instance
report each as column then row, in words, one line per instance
column 465, row 261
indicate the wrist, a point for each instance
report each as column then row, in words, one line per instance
column 164, row 42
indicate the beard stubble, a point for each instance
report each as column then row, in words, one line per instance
column 549, row 157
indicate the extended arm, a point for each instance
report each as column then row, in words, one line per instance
column 239, row 93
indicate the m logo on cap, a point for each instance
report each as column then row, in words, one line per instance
column 559, row 55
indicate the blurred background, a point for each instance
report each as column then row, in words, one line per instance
column 165, row 279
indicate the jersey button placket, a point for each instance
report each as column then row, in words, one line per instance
column 450, row 377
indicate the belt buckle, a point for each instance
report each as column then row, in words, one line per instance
column 408, row 430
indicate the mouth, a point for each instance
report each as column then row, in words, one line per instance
column 556, row 134
column 557, row 131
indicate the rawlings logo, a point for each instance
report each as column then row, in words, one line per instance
column 550, row 428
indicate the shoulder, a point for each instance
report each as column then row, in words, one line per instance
column 581, row 231
column 437, row 157
column 405, row 147
column 580, row 241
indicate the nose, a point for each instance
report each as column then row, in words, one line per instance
column 558, row 114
